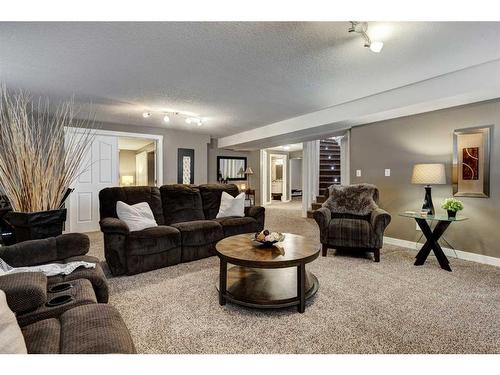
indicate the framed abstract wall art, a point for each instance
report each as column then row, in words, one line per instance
column 471, row 162
column 185, row 166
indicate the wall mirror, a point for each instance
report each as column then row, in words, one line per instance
column 231, row 168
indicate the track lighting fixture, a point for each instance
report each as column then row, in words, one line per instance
column 361, row 28
column 167, row 116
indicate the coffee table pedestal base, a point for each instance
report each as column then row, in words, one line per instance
column 269, row 288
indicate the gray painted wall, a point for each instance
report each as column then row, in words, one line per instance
column 172, row 140
column 428, row 138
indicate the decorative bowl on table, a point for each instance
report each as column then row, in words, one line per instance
column 268, row 239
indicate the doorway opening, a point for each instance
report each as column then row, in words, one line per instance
column 137, row 161
column 281, row 182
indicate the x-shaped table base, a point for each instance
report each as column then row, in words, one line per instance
column 432, row 243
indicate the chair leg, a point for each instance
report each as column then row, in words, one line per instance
column 324, row 250
column 376, row 255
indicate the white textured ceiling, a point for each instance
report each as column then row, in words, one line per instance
column 238, row 75
column 288, row 147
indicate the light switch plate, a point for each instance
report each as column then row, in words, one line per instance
column 387, row 172
column 358, row 172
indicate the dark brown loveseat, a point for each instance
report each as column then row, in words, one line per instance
column 187, row 226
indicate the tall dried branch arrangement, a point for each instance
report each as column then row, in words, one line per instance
column 39, row 156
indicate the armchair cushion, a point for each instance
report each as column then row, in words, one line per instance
column 200, row 232
column 258, row 213
column 86, row 329
column 153, row 240
column 323, row 217
column 357, row 199
column 351, row 233
column 25, row 291
column 211, row 196
column 181, row 203
column 49, row 250
column 113, row 225
column 379, row 220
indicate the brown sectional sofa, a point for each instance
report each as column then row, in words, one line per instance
column 187, row 226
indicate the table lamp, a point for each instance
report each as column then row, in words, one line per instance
column 428, row 174
column 248, row 173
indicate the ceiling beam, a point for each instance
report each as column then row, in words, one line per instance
column 469, row 85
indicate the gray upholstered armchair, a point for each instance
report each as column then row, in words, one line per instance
column 351, row 219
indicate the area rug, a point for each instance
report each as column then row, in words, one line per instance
column 361, row 306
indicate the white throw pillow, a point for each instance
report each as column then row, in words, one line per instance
column 11, row 337
column 137, row 217
column 230, row 206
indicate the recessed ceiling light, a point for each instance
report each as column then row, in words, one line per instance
column 376, row 46
column 146, row 114
column 286, row 148
column 166, row 119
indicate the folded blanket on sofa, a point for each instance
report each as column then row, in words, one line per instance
column 48, row 269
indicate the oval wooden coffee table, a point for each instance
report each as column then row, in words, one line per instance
column 266, row 277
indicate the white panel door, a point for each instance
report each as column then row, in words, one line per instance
column 98, row 171
column 141, row 169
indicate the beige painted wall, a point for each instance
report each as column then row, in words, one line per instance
column 428, row 138
column 127, row 164
column 172, row 140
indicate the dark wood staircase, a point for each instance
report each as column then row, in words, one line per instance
column 329, row 170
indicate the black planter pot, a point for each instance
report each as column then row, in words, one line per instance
column 452, row 214
column 36, row 225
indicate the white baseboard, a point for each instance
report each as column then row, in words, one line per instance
column 465, row 255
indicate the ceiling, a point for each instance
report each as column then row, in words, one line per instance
column 239, row 75
column 290, row 147
column 133, row 144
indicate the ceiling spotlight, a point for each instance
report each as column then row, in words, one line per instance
column 189, row 120
column 286, row 148
column 376, row 46
column 166, row 119
column 362, row 28
column 146, row 114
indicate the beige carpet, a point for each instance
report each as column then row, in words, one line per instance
column 361, row 306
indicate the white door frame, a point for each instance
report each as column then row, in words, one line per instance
column 158, row 154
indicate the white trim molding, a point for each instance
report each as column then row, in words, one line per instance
column 460, row 254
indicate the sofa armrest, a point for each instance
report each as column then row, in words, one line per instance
column 34, row 252
column 113, row 225
column 379, row 220
column 323, row 216
column 258, row 213
column 25, row 291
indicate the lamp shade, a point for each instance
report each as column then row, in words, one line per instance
column 249, row 171
column 428, row 174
